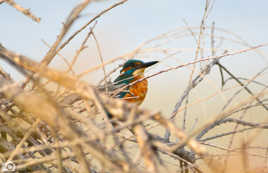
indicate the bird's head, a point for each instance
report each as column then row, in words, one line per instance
column 136, row 67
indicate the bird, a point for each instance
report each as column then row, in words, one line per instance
column 132, row 71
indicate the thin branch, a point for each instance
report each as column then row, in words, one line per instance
column 218, row 122
column 68, row 23
column 98, row 67
column 60, row 55
column 92, row 20
column 82, row 47
column 220, row 116
column 26, row 12
column 246, row 79
column 102, row 61
column 108, row 75
column 199, row 77
column 225, row 134
column 26, row 136
column 243, row 85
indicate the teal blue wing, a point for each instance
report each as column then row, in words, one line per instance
column 122, row 80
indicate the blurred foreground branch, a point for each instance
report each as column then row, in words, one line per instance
column 41, row 105
column 26, row 12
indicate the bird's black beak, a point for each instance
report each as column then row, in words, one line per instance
column 148, row 64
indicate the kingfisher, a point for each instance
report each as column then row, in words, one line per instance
column 132, row 71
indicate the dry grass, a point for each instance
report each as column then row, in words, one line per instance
column 55, row 122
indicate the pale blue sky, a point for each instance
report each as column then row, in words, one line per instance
column 139, row 20
column 125, row 27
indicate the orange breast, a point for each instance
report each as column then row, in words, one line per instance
column 137, row 92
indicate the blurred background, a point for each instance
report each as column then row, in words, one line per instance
column 168, row 23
